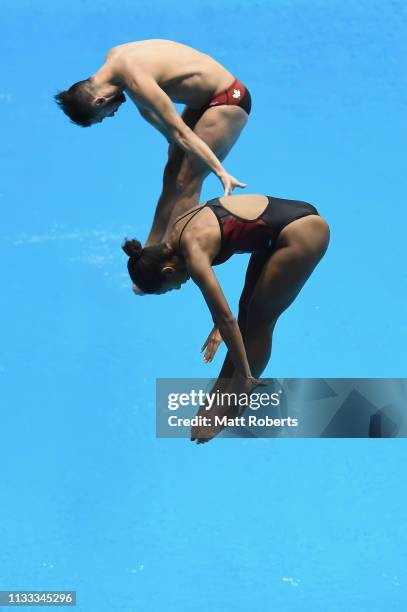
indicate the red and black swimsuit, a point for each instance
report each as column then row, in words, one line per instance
column 240, row 235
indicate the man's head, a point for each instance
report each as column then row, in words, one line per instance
column 86, row 104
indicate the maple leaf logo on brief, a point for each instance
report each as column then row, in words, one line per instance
column 236, row 93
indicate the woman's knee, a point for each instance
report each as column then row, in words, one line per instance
column 321, row 226
column 322, row 235
column 311, row 241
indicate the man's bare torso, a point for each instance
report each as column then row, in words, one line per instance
column 186, row 75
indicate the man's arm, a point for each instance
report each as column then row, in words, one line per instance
column 152, row 118
column 157, row 108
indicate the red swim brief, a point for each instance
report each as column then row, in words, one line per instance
column 236, row 95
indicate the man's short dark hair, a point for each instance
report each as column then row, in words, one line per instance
column 76, row 102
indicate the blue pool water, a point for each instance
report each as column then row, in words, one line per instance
column 91, row 500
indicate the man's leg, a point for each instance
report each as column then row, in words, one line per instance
column 171, row 171
column 219, row 127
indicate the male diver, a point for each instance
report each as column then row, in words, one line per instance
column 154, row 74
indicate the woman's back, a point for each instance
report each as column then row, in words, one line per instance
column 244, row 224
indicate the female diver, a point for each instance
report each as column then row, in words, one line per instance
column 287, row 239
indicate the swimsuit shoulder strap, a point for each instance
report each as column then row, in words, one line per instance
column 195, row 211
column 219, row 210
column 189, row 212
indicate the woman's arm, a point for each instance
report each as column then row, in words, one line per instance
column 254, row 269
column 155, row 106
column 201, row 272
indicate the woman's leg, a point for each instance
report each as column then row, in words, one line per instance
column 305, row 247
column 254, row 269
column 299, row 248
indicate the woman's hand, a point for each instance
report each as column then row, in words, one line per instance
column 211, row 344
column 229, row 182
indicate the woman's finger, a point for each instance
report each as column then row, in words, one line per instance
column 208, row 355
column 213, row 349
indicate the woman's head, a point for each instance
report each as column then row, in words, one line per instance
column 154, row 269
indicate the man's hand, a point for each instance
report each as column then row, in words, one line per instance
column 229, row 182
column 211, row 344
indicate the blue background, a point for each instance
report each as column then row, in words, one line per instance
column 90, row 499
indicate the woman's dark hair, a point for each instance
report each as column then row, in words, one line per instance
column 145, row 265
column 76, row 102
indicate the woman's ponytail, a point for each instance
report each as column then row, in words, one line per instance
column 132, row 248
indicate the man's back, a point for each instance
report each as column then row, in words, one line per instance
column 154, row 74
column 185, row 74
